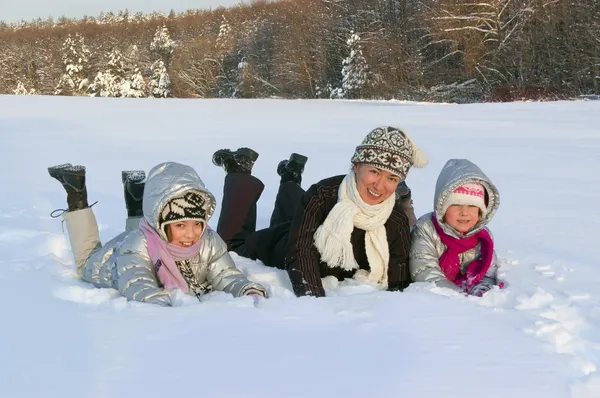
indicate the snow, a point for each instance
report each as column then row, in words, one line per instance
column 539, row 336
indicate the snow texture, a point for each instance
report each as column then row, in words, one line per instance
column 538, row 337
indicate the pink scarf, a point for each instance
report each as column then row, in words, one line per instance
column 450, row 261
column 164, row 254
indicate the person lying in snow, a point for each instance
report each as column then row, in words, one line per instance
column 169, row 247
column 347, row 226
column 452, row 246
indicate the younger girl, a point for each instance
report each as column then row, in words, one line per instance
column 172, row 246
column 452, row 246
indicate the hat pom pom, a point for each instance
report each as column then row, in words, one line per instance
column 419, row 158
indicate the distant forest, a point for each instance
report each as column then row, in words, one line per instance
column 423, row 50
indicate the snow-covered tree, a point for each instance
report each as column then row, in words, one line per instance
column 162, row 45
column 21, row 90
column 109, row 83
column 135, row 86
column 160, row 82
column 75, row 56
column 225, row 38
column 355, row 70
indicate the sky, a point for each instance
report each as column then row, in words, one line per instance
column 537, row 337
column 17, row 10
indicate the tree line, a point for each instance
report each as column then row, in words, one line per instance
column 433, row 50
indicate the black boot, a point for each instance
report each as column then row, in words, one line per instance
column 133, row 184
column 291, row 170
column 72, row 179
column 237, row 219
column 239, row 161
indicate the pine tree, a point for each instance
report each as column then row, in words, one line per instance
column 135, row 86
column 75, row 56
column 162, row 45
column 160, row 82
column 110, row 82
column 355, row 70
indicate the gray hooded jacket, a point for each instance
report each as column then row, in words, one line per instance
column 427, row 247
column 124, row 263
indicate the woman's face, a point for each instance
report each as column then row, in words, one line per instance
column 462, row 218
column 185, row 233
column 375, row 185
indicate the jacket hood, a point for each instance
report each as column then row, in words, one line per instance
column 455, row 173
column 167, row 181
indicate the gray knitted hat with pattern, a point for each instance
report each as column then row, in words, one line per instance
column 391, row 149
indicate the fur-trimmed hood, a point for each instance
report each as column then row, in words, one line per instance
column 458, row 172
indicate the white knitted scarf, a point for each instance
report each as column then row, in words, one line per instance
column 332, row 238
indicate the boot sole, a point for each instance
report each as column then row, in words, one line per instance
column 66, row 168
column 135, row 176
column 249, row 153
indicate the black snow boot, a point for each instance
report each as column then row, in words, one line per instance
column 72, row 179
column 239, row 161
column 291, row 170
column 133, row 184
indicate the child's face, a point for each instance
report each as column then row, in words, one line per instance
column 462, row 218
column 185, row 233
column 375, row 185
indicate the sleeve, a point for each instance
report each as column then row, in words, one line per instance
column 137, row 278
column 409, row 210
column 222, row 273
column 492, row 274
column 303, row 260
column 398, row 271
column 424, row 261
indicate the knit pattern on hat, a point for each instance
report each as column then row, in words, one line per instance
column 189, row 206
column 391, row 149
column 470, row 194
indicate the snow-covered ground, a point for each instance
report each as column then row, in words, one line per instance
column 540, row 336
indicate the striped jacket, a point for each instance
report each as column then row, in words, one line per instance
column 303, row 259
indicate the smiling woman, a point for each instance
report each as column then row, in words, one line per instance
column 347, row 226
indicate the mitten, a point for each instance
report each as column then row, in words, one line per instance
column 254, row 291
column 480, row 289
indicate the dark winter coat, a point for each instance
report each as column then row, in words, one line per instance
column 302, row 260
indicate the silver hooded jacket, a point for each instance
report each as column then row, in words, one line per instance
column 427, row 247
column 124, row 263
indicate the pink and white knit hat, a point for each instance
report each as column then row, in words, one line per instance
column 471, row 194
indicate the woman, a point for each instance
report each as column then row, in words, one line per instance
column 170, row 248
column 347, row 226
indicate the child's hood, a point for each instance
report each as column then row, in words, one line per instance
column 458, row 172
column 167, row 181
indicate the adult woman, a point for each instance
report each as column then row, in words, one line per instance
column 347, row 226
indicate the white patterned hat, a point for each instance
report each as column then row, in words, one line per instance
column 192, row 205
column 391, row 149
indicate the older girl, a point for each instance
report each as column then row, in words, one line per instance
column 171, row 248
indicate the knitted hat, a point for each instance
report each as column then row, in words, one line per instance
column 471, row 194
column 391, row 149
column 192, row 205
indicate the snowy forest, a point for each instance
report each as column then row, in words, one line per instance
column 429, row 50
